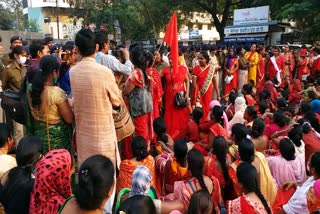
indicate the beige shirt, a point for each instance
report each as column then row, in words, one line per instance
column 95, row 92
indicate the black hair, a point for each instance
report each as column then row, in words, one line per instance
column 279, row 118
column 160, row 128
column 232, row 97
column 306, row 126
column 315, row 162
column 36, row 45
column 312, row 118
column 149, row 58
column 96, row 177
column 195, row 165
column 305, row 107
column 257, row 127
column 248, row 176
column 263, row 106
column 48, row 65
column 310, row 79
column 86, row 42
column 267, row 93
column 217, row 112
column 312, row 95
column 251, row 112
column 287, row 149
column 247, row 88
column 4, row 134
column 138, row 58
column 101, row 38
column 284, row 94
column 296, row 135
column 180, row 149
column 139, row 148
column 205, row 55
column 289, row 109
column 251, row 82
column 220, row 149
column 197, row 114
column 138, row 204
column 246, row 151
column 28, row 153
column 239, row 131
column 281, row 103
column 16, row 50
column 200, row 203
column 0, row 39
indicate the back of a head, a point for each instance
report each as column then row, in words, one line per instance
column 28, row 151
column 96, row 178
column 252, row 112
column 281, row 103
column 306, row 126
column 200, row 203
column 180, row 149
column 197, row 114
column 287, row 149
column 248, row 176
column 139, row 148
column 217, row 112
column 257, row 127
column 315, row 162
column 295, row 135
column 138, row 57
column 140, row 181
column 86, row 42
column 312, row 118
column 247, row 88
column 160, row 128
column 138, row 204
column 279, row 118
column 239, row 132
column 246, row 151
column 195, row 161
column 263, row 106
column 305, row 107
column 48, row 64
column 4, row 134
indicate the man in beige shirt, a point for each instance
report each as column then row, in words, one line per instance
column 95, row 96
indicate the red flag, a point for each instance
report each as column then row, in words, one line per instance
column 171, row 38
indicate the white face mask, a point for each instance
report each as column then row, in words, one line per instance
column 22, row 60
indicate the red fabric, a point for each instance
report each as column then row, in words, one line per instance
column 156, row 90
column 271, row 71
column 207, row 97
column 303, row 68
column 246, row 207
column 282, row 198
column 217, row 130
column 191, row 132
column 211, row 170
column 171, row 38
column 270, row 130
column 316, row 66
column 175, row 118
column 312, row 144
column 234, row 82
column 52, row 183
column 206, row 125
column 260, row 74
column 201, row 149
column 250, row 100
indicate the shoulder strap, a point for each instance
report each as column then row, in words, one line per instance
column 64, row 204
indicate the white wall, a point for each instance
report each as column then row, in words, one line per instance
column 48, row 3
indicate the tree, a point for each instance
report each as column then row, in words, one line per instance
column 220, row 10
column 6, row 18
column 33, row 25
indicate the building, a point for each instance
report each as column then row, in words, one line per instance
column 253, row 25
column 53, row 17
column 198, row 28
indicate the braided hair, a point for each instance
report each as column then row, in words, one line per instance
column 217, row 112
column 248, row 176
column 195, row 165
column 160, row 128
column 220, row 148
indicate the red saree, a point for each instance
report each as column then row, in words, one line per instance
column 207, row 96
column 244, row 205
column 260, row 74
column 175, row 118
column 234, row 82
column 174, row 172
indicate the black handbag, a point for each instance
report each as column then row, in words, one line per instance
column 140, row 101
column 179, row 97
column 11, row 104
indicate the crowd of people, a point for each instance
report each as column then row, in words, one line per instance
column 106, row 129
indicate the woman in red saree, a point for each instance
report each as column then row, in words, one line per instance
column 261, row 68
column 252, row 200
column 203, row 81
column 272, row 68
column 141, row 157
column 176, row 81
column 303, row 66
column 231, row 67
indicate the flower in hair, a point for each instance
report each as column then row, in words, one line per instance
column 84, row 172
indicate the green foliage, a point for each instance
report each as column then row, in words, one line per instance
column 33, row 25
column 6, row 18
